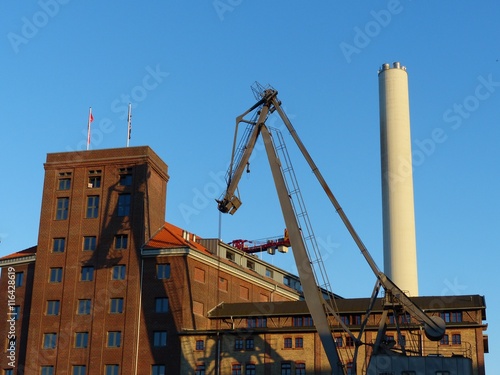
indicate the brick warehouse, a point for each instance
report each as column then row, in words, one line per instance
column 110, row 288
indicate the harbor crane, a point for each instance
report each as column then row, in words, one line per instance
column 319, row 307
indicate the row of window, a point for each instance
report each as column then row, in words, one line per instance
column 299, row 368
column 82, row 370
column 89, row 243
column 94, row 179
column 92, row 208
column 87, row 273
column 113, row 339
column 116, row 306
column 456, row 339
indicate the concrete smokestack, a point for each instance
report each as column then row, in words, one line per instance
column 400, row 251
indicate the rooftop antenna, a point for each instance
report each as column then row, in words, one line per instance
column 129, row 123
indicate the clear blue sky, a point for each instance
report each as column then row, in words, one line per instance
column 187, row 70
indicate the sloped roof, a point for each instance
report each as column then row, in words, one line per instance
column 20, row 254
column 170, row 236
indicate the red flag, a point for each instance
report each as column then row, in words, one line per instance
column 91, row 117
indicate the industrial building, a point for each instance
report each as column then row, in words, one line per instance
column 110, row 288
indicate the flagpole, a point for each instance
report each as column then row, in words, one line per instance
column 90, row 119
column 129, row 123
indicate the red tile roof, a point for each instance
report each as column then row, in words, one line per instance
column 169, row 236
column 23, row 253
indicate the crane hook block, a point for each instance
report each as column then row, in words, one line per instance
column 229, row 205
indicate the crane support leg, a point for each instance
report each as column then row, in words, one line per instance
column 314, row 299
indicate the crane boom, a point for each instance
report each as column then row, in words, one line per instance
column 230, row 202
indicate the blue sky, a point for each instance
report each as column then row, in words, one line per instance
column 187, row 70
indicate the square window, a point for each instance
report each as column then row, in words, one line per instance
column 287, row 343
column 200, row 344
column 300, row 368
column 89, row 243
column 94, row 182
column 269, row 273
column 456, row 339
column 116, row 306
column 445, row 340
column 84, row 306
column 114, row 339
column 238, row 344
column 87, row 273
column 53, row 307
column 112, row 369
column 161, row 304
column 121, row 241
column 158, row 370
column 160, row 338
column 58, row 245
column 79, row 370
column 299, row 342
column 62, row 208
column 286, row 368
column 19, row 279
column 200, row 369
column 64, row 184
column 44, row 370
column 249, row 344
column 125, row 179
column 92, row 206
column 250, row 369
column 236, row 369
column 163, row 271
column 55, row 275
column 118, row 272
column 49, row 340
column 81, row 340
column 124, row 205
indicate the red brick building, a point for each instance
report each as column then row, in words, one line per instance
column 110, row 288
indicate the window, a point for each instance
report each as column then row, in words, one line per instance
column 356, row 319
column 92, row 206
column 49, row 340
column 55, row 275
column 269, row 273
column 445, row 340
column 250, row 369
column 94, row 182
column 200, row 344
column 452, row 317
column 402, row 340
column 249, row 344
column 114, row 339
column 161, row 304
column 124, row 205
column 236, row 369
column 350, row 368
column 81, row 340
column 456, row 339
column 89, row 243
column 344, row 319
column 339, row 341
column 118, row 272
column 58, row 245
column 121, row 241
column 300, row 321
column 287, row 343
column 79, row 370
column 163, row 271
column 223, row 284
column 286, row 368
column 62, row 207
column 238, row 344
column 158, row 370
column 19, row 279
column 349, row 341
column 299, row 342
column 200, row 369
column 64, row 184
column 260, row 322
column 125, row 179
column 84, row 307
column 87, row 273
column 53, row 307
column 44, row 370
column 300, row 368
column 112, row 369
column 160, row 338
column 116, row 306
column 230, row 256
column 250, row 265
